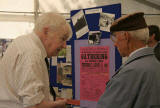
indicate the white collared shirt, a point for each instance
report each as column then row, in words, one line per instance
column 24, row 78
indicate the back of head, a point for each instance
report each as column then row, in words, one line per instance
column 154, row 29
column 134, row 23
column 51, row 20
column 157, row 51
column 140, row 34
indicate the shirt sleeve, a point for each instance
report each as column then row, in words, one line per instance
column 31, row 77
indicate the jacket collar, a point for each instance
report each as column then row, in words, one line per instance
column 137, row 55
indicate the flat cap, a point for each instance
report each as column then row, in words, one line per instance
column 129, row 22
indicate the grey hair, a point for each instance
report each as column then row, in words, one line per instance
column 140, row 34
column 53, row 21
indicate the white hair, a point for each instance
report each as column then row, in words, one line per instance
column 140, row 34
column 53, row 21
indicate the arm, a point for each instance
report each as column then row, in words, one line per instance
column 51, row 104
column 33, row 88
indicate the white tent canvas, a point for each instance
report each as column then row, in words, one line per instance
column 17, row 16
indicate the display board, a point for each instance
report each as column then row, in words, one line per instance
column 95, row 58
column 81, row 70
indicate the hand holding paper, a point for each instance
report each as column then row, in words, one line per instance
column 70, row 101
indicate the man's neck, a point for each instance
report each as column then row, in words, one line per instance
column 135, row 46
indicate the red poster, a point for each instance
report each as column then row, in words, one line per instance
column 94, row 71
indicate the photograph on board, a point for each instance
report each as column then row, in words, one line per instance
column 94, row 37
column 80, row 24
column 4, row 43
column 105, row 21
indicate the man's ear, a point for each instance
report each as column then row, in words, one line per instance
column 153, row 37
column 127, row 36
column 45, row 30
column 45, row 33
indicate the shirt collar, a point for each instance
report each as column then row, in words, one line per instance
column 137, row 50
column 39, row 43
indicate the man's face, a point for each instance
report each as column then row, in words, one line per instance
column 56, row 41
column 152, row 42
column 120, row 42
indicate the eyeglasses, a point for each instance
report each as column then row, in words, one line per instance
column 113, row 38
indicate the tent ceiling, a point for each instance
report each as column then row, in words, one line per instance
column 151, row 4
column 156, row 2
column 64, row 6
column 17, row 5
column 17, row 16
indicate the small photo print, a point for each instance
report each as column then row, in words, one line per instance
column 80, row 24
column 68, row 54
column 105, row 21
column 1, row 51
column 62, row 53
column 4, row 43
column 67, row 68
column 63, row 70
column 60, row 75
column 94, row 37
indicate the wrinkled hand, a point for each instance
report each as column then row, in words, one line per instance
column 60, row 103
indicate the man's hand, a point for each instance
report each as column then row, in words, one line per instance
column 60, row 103
column 51, row 104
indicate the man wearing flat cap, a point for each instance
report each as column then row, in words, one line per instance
column 136, row 83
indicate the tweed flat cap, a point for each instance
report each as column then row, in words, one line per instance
column 129, row 22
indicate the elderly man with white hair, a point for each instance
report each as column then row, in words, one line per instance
column 24, row 81
column 136, row 83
